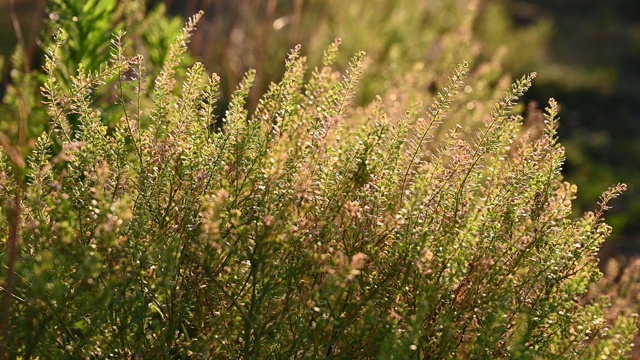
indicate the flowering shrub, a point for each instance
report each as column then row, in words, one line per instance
column 305, row 228
column 621, row 284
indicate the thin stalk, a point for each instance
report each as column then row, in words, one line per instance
column 12, row 259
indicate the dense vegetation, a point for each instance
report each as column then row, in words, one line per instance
column 428, row 222
column 586, row 56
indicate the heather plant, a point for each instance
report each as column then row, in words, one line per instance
column 621, row 285
column 308, row 227
column 87, row 28
column 397, row 35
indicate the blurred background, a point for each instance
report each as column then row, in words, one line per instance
column 586, row 54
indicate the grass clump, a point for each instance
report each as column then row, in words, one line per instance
column 304, row 228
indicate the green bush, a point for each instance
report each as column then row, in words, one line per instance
column 396, row 34
column 307, row 228
column 87, row 27
column 621, row 284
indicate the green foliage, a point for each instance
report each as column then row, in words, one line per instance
column 400, row 35
column 306, row 228
column 89, row 25
column 83, row 33
column 621, row 286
